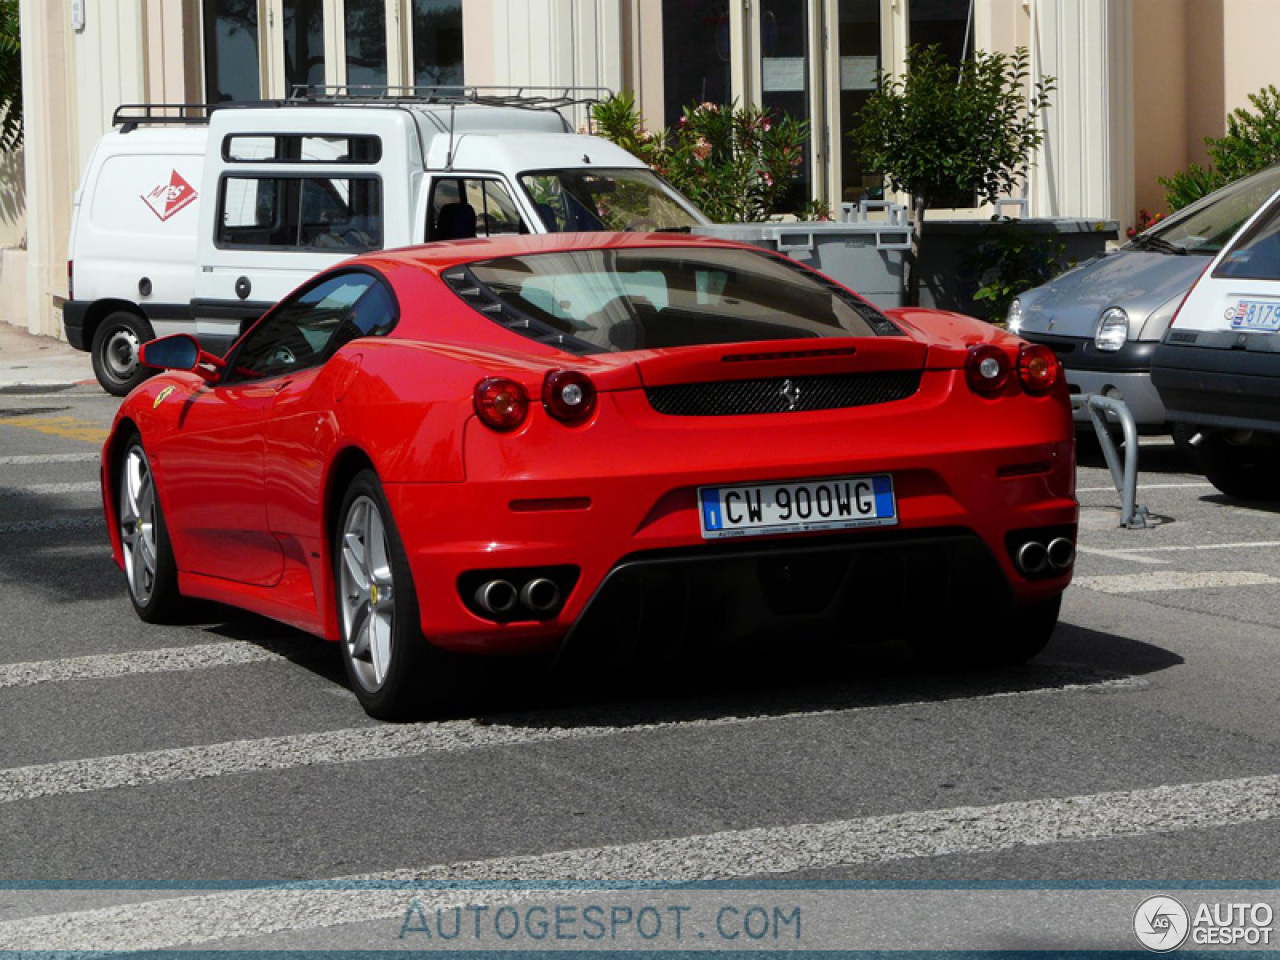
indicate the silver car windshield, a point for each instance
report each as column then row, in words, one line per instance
column 1206, row 226
column 572, row 201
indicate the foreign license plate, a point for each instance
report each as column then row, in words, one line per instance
column 830, row 503
column 1256, row 315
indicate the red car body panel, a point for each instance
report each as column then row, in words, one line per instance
column 248, row 476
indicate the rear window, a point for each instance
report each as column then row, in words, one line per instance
column 611, row 300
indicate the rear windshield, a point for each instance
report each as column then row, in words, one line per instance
column 1256, row 256
column 594, row 301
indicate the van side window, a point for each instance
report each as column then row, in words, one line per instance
column 464, row 207
column 312, row 213
column 313, row 325
column 301, row 148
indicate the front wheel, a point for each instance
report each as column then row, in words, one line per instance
column 392, row 670
column 115, row 352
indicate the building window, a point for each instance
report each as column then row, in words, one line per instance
column 303, row 43
column 859, row 34
column 437, row 43
column 695, row 44
column 365, row 22
column 945, row 23
column 231, row 50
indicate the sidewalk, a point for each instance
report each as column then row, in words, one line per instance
column 29, row 362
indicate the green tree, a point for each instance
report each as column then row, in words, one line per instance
column 10, row 77
column 946, row 134
column 1252, row 142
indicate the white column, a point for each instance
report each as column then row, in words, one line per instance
column 1085, row 168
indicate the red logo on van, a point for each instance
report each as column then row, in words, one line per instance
column 168, row 198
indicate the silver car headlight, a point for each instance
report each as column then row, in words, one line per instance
column 1113, row 330
column 1014, row 320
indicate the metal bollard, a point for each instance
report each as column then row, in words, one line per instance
column 1125, row 477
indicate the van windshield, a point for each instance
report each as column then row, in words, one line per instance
column 572, row 201
column 1206, row 226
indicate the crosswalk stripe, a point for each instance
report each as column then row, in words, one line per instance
column 34, row 459
column 1159, row 580
column 728, row 855
column 380, row 742
column 106, row 665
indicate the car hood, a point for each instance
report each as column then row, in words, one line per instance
column 1137, row 280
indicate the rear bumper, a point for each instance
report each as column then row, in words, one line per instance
column 644, row 571
column 1216, row 387
column 73, row 313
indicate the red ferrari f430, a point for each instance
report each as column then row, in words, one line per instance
column 591, row 445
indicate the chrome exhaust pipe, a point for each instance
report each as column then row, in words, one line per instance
column 497, row 597
column 1062, row 553
column 1032, row 558
column 540, row 595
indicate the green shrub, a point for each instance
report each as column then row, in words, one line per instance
column 736, row 164
column 1251, row 143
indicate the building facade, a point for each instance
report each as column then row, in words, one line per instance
column 1139, row 82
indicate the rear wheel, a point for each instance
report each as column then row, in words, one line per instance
column 393, row 671
column 115, row 352
column 1244, row 470
column 149, row 567
column 1018, row 634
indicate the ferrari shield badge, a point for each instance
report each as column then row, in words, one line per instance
column 162, row 396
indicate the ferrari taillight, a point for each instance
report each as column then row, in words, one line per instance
column 1038, row 369
column 500, row 403
column 987, row 369
column 569, row 395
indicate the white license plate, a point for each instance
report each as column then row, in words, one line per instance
column 829, row 503
column 1256, row 315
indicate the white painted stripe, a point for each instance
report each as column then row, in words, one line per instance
column 380, row 742
column 165, row 660
column 50, row 489
column 735, row 854
column 25, row 460
column 1173, row 580
column 1139, row 554
column 1147, row 486
column 1129, row 555
column 59, row 523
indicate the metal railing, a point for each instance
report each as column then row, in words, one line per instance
column 1133, row 516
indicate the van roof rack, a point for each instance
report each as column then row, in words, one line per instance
column 129, row 116
column 527, row 97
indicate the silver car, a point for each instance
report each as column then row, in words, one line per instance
column 1105, row 317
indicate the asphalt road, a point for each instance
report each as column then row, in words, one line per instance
column 139, row 764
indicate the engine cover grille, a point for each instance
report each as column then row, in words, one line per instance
column 783, row 394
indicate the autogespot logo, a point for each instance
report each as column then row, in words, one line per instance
column 1161, row 924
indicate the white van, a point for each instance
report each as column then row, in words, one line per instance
column 200, row 223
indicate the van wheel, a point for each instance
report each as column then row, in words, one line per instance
column 1245, row 471
column 115, row 352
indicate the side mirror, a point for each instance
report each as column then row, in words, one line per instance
column 180, row 351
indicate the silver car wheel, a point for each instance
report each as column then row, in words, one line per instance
column 367, row 593
column 138, row 525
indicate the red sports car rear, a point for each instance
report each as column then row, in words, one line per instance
column 597, row 445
